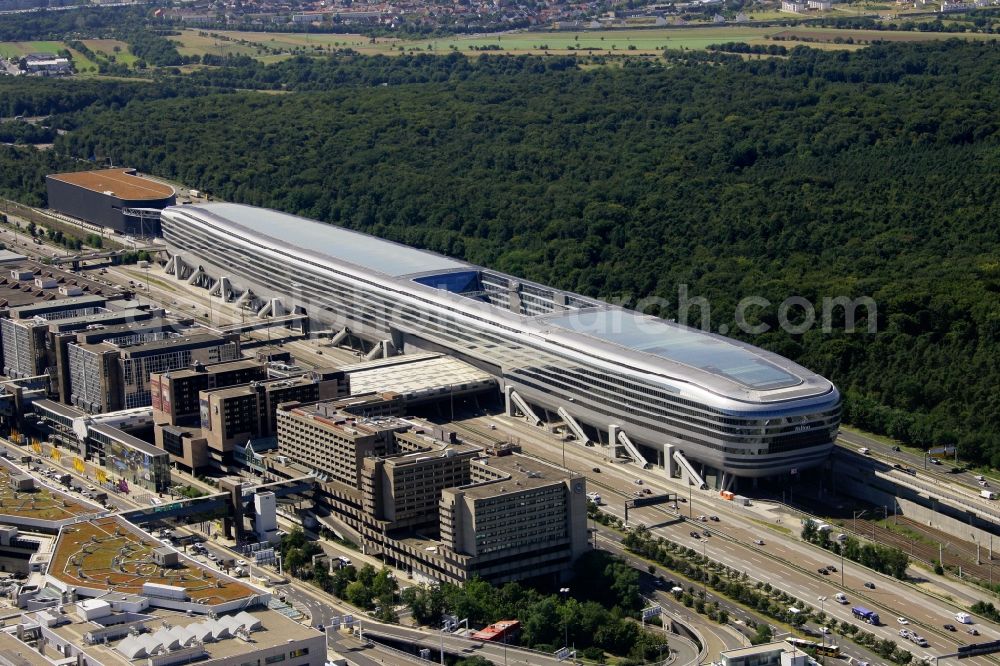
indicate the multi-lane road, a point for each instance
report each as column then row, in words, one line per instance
column 784, row 560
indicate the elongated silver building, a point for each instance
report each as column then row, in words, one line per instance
column 715, row 406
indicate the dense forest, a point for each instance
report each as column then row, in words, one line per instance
column 818, row 175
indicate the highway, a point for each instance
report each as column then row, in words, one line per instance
column 784, row 561
column 961, row 482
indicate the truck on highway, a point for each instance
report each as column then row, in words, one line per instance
column 862, row 613
column 987, row 494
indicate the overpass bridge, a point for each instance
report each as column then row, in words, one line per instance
column 76, row 259
column 231, row 505
column 292, row 321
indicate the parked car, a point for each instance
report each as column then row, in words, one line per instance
column 824, row 630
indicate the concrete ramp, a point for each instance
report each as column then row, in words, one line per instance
column 340, row 336
column 632, row 450
column 574, row 426
column 692, row 474
column 514, row 399
column 384, row 349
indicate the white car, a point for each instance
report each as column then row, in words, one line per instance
column 824, row 630
column 241, row 563
column 902, row 620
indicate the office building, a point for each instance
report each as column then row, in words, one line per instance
column 128, row 324
column 439, row 507
column 115, row 374
column 231, row 416
column 25, row 329
column 714, row 405
column 175, row 393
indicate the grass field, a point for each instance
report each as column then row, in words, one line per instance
column 270, row 46
column 18, row 49
column 106, row 554
column 106, row 49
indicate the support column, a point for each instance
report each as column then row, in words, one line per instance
column 669, row 466
column 613, row 430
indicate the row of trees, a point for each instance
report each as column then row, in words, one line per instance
column 757, row 596
column 884, row 559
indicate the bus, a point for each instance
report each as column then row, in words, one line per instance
column 817, row 648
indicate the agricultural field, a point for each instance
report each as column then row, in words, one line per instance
column 107, row 554
column 263, row 47
column 271, row 46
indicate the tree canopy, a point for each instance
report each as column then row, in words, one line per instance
column 819, row 175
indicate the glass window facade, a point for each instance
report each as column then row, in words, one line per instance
column 642, row 390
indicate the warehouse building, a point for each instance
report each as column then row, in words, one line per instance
column 119, row 199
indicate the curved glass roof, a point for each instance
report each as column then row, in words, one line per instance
column 338, row 243
column 679, row 344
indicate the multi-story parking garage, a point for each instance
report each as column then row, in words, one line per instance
column 119, row 199
column 667, row 392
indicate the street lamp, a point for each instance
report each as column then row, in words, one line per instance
column 564, row 591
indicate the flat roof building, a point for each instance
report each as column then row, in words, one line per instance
column 130, row 460
column 678, row 394
column 119, row 199
column 24, row 332
column 175, row 392
column 779, row 653
column 228, row 416
column 115, row 374
column 437, row 506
